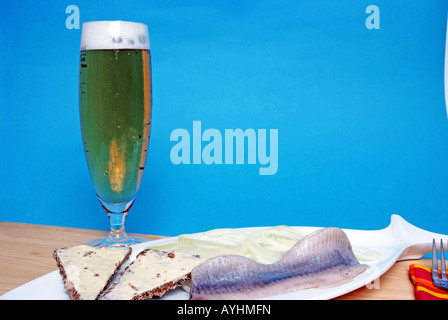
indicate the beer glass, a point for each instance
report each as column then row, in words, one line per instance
column 115, row 113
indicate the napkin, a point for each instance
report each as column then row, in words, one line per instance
column 421, row 276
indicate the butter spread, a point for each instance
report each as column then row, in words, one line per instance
column 88, row 269
column 151, row 270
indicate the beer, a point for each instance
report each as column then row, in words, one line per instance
column 115, row 114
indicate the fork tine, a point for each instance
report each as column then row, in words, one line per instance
column 435, row 265
column 442, row 258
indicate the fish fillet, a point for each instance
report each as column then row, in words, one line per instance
column 323, row 258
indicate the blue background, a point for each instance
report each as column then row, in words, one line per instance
column 363, row 130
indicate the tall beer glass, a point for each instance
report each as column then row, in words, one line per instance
column 115, row 112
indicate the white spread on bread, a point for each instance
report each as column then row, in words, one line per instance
column 152, row 274
column 87, row 270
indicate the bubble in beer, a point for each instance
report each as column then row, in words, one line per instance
column 142, row 39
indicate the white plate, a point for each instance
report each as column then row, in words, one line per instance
column 399, row 241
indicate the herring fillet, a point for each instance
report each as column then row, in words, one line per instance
column 323, row 258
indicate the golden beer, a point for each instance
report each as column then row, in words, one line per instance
column 115, row 111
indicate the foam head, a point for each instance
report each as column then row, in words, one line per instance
column 103, row 35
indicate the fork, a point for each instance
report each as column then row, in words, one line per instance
column 440, row 282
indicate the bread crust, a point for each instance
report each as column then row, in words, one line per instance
column 157, row 291
column 69, row 286
column 160, row 291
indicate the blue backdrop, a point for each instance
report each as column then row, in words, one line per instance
column 360, row 113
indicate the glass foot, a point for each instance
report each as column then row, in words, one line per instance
column 107, row 242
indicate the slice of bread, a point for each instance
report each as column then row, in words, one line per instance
column 152, row 274
column 87, row 270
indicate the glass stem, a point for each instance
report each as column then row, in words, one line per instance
column 117, row 233
column 117, row 215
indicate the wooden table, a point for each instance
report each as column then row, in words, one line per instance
column 26, row 253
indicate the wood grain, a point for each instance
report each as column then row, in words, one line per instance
column 26, row 250
column 26, row 253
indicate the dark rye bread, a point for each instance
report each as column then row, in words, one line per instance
column 156, row 292
column 164, row 288
column 152, row 274
column 87, row 271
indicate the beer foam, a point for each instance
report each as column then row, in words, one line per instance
column 102, row 35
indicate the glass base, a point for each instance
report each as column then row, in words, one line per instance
column 117, row 236
column 107, row 242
